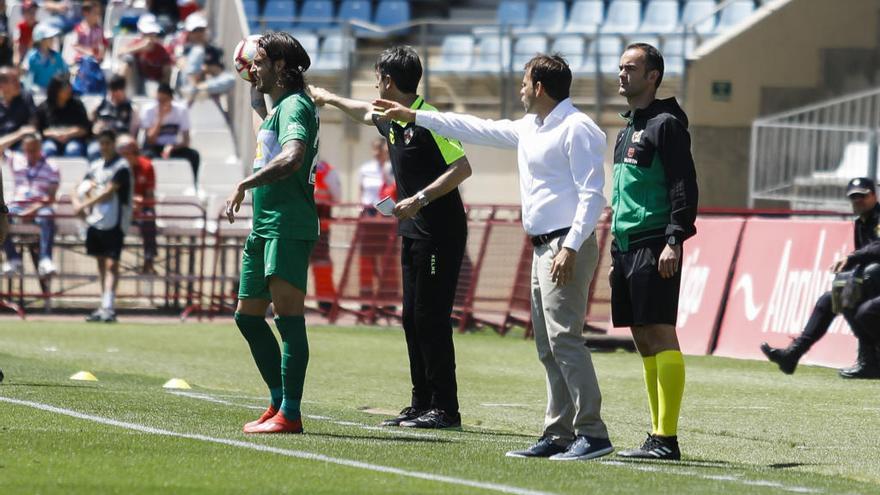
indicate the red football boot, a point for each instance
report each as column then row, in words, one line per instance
column 279, row 424
column 248, row 428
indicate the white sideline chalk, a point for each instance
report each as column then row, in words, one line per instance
column 299, row 454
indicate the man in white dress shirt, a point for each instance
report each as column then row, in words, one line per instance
column 560, row 153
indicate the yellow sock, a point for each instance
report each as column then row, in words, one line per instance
column 650, row 364
column 670, row 381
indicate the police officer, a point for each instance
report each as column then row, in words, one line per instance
column 862, row 196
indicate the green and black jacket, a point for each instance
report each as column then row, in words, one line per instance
column 654, row 195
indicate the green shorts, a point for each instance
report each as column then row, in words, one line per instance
column 262, row 258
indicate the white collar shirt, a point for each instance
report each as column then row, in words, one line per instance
column 561, row 171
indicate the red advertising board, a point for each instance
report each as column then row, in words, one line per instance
column 705, row 270
column 781, row 271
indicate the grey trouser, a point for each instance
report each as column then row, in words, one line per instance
column 573, row 397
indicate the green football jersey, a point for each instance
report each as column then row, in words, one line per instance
column 286, row 209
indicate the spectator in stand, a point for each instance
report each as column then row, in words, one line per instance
column 17, row 107
column 328, row 191
column 103, row 198
column 166, row 123
column 144, row 197
column 90, row 40
column 43, row 61
column 117, row 112
column 36, row 186
column 187, row 7
column 166, row 12
column 26, row 29
column 7, row 50
column 146, row 59
column 192, row 63
column 62, row 120
column 374, row 236
column 61, row 14
column 217, row 81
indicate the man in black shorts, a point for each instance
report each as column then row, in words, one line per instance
column 428, row 169
column 654, row 199
column 104, row 199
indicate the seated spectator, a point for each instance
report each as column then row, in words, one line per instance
column 185, row 8
column 116, row 112
column 17, row 107
column 90, row 39
column 166, row 12
column 25, row 40
column 192, row 63
column 61, row 14
column 146, row 59
column 7, row 50
column 34, row 193
column 144, row 197
column 216, row 80
column 43, row 61
column 62, row 120
column 4, row 19
column 167, row 130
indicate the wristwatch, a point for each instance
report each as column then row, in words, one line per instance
column 422, row 199
column 4, row 210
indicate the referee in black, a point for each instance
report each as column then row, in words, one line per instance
column 428, row 169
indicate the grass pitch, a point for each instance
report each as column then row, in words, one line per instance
column 745, row 427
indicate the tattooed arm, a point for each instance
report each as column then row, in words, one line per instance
column 281, row 167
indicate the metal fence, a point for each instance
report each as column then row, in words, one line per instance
column 806, row 156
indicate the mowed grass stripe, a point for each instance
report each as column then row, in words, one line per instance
column 275, row 450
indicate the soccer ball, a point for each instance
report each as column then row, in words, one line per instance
column 243, row 56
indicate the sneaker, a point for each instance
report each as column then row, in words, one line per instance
column 655, row 447
column 407, row 414
column 584, row 448
column 11, row 267
column 544, row 447
column 435, row 418
column 270, row 412
column 46, row 268
column 279, row 424
column 102, row 315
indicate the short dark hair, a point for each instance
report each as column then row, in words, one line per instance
column 56, row 84
column 402, row 65
column 107, row 134
column 553, row 73
column 165, row 88
column 653, row 59
column 116, row 82
column 283, row 46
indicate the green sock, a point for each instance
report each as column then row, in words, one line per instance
column 650, row 364
column 294, row 361
column 670, row 380
column 264, row 348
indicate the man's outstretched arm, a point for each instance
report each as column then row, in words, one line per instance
column 359, row 111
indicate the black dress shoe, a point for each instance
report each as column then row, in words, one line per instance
column 860, row 370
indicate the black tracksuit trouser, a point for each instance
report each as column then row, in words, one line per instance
column 430, row 275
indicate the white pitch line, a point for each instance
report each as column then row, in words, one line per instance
column 210, row 398
column 299, row 454
column 735, row 478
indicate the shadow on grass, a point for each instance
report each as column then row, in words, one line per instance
column 381, row 439
column 52, row 385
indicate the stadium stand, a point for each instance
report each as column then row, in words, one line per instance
column 585, row 17
column 661, row 16
column 547, row 16
column 315, row 15
column 623, row 16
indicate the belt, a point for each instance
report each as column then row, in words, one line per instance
column 540, row 240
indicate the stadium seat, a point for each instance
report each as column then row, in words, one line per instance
column 355, row 10
column 644, row 38
column 309, row 42
column 547, row 17
column 279, row 14
column 675, row 49
column 610, row 49
column 252, row 14
column 511, row 13
column 526, row 47
column 585, row 16
column 391, row 13
column 734, row 13
column 333, row 54
column 493, row 53
column 695, row 10
column 572, row 47
column 315, row 15
column 624, row 16
column 661, row 16
column 456, row 53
